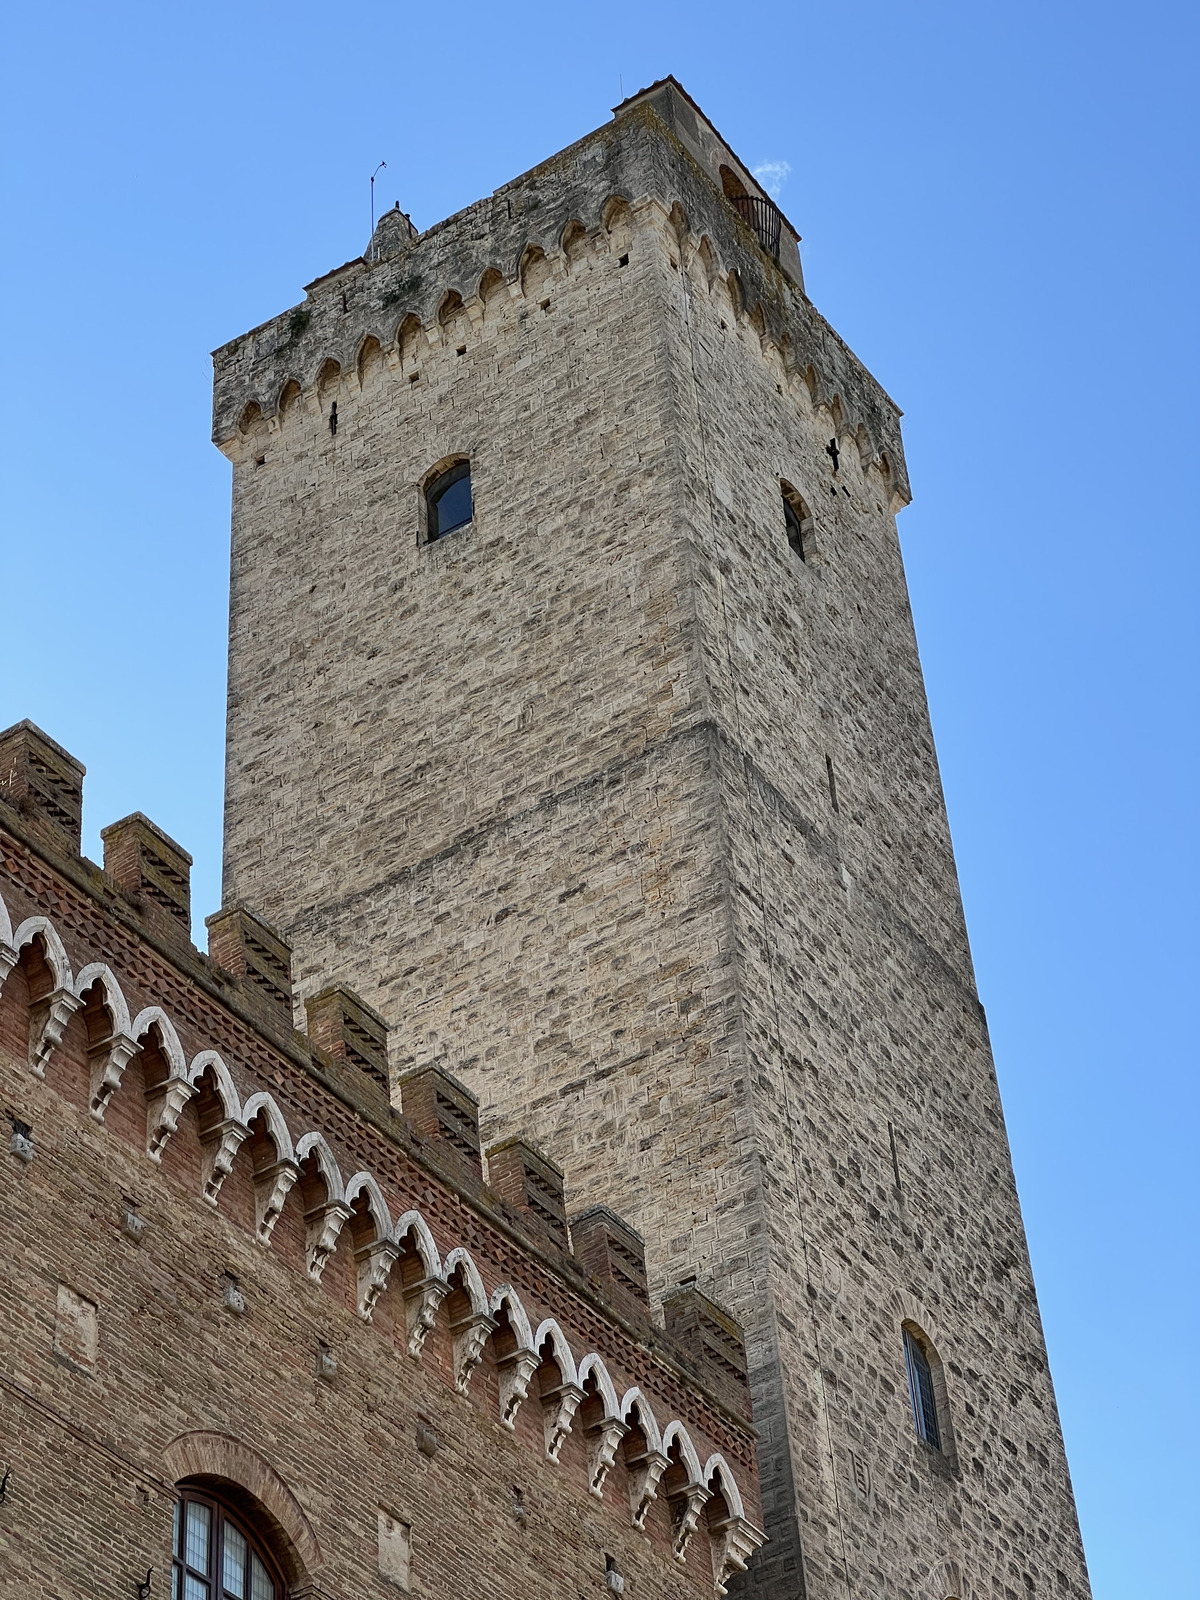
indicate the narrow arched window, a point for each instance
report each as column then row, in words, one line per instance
column 217, row 1555
column 921, row 1390
column 448, row 501
column 798, row 524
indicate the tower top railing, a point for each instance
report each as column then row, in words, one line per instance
column 763, row 216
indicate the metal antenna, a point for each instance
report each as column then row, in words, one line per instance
column 374, row 175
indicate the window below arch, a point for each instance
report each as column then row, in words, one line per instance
column 216, row 1554
column 921, row 1390
column 448, row 501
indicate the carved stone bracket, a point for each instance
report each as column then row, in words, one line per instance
column 272, row 1185
column 166, row 1104
column 48, row 1019
column 324, row 1224
column 107, row 1062
column 8, row 960
column 604, row 1440
column 221, row 1143
column 734, row 1541
column 421, row 1302
column 645, row 1471
column 694, row 1498
column 560, row 1406
column 375, row 1262
column 470, row 1336
column 515, row 1372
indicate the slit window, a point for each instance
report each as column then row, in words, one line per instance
column 448, row 501
column 921, row 1392
column 798, row 524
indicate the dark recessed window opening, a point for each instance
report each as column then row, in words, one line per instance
column 216, row 1555
column 798, row 524
column 448, row 501
column 920, row 1391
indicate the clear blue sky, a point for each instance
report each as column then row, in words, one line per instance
column 998, row 214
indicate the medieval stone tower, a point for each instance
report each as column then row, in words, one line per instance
column 576, row 719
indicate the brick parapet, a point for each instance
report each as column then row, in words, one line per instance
column 94, row 926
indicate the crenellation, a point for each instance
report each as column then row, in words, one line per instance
column 242, row 1143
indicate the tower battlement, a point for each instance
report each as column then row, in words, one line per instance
column 421, row 295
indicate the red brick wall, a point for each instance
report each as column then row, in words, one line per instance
column 94, row 1450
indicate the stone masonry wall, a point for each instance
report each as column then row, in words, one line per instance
column 557, row 794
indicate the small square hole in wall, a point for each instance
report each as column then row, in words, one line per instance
column 260, row 461
column 395, row 1550
column 623, row 261
column 461, row 351
column 75, row 1328
column 413, row 377
column 545, row 305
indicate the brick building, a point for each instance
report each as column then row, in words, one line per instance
column 582, row 805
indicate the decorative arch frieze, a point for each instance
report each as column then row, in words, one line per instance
column 382, row 1244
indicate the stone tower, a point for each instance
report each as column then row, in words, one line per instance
column 620, row 802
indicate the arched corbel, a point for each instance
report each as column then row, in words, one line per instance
column 470, row 1335
column 107, row 1060
column 645, row 1475
column 221, row 1143
column 48, row 1018
column 604, row 1440
column 687, row 1505
column 323, row 1225
column 375, row 1262
column 272, row 1185
column 559, row 1407
column 162, row 1116
column 422, row 1301
column 516, row 1371
column 734, row 1541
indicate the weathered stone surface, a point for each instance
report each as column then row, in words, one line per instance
column 628, row 815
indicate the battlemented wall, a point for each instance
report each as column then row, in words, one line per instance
column 630, row 818
column 228, row 1259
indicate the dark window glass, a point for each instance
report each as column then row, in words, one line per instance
column 216, row 1556
column 920, row 1390
column 448, row 501
column 795, row 532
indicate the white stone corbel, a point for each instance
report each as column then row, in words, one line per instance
column 694, row 1497
column 645, row 1472
column 271, row 1188
column 221, row 1143
column 516, row 1370
column 421, row 1302
column 734, row 1541
column 323, row 1225
column 375, row 1262
column 48, row 1020
column 107, row 1062
column 604, row 1439
column 559, row 1408
column 470, row 1336
column 162, row 1118
column 8, row 960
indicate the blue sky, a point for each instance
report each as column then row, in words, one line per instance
column 999, row 215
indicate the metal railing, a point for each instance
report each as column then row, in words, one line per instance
column 763, row 216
